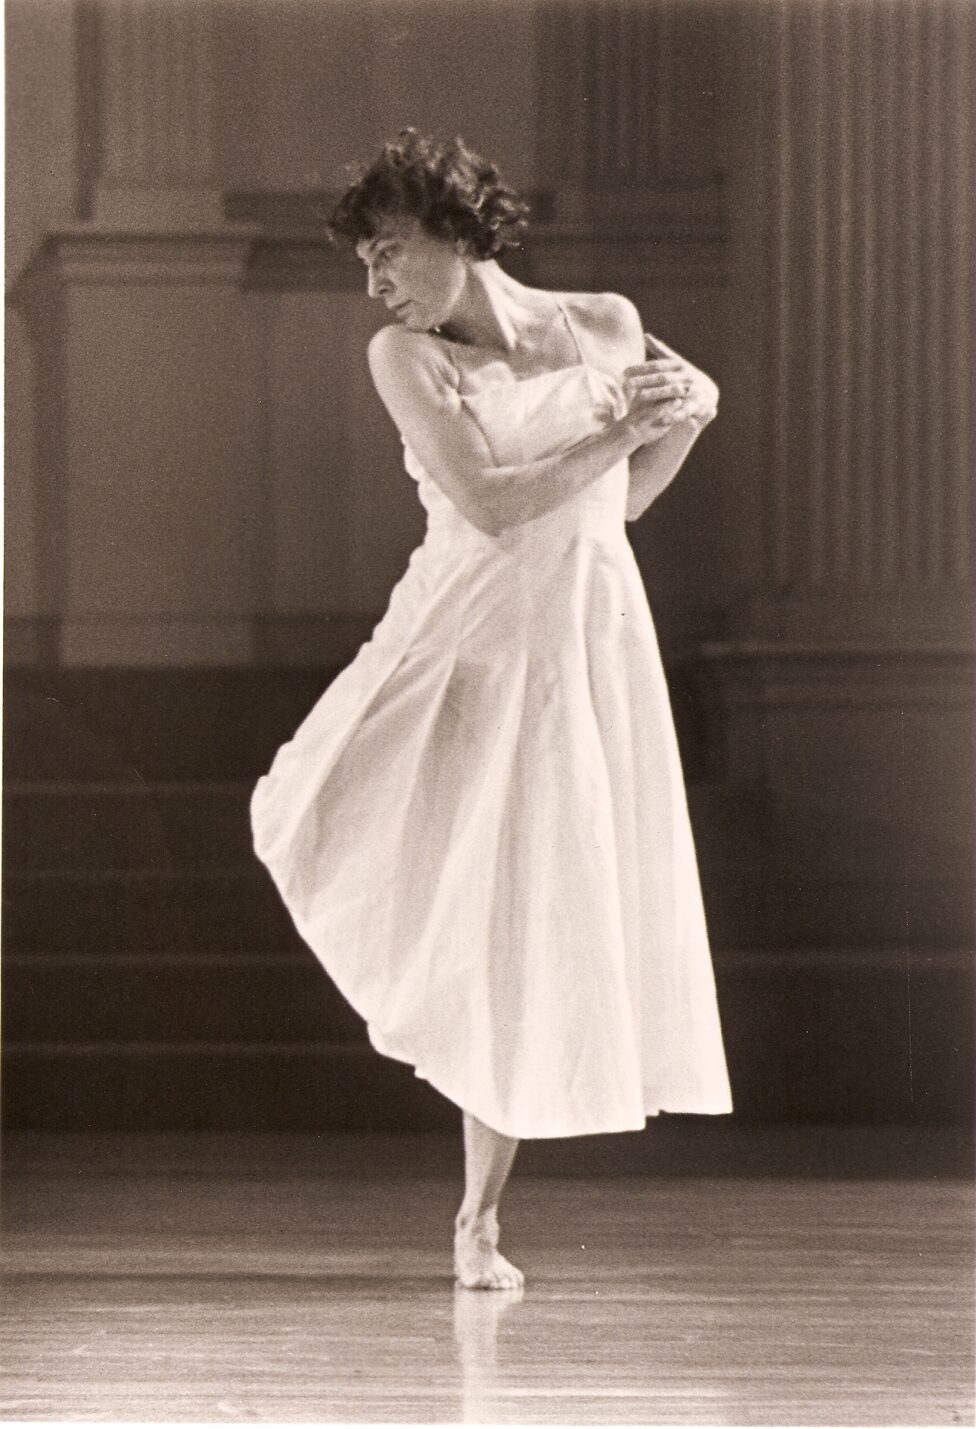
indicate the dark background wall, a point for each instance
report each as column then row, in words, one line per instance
column 206, row 510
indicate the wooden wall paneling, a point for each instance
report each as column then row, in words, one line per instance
column 848, row 694
column 867, row 350
column 23, row 595
column 888, row 364
column 36, row 533
column 346, row 513
column 837, row 198
column 155, row 112
column 308, row 467
column 823, row 216
column 465, row 68
column 691, row 49
column 316, row 91
column 934, row 299
column 161, row 444
column 40, row 158
column 958, row 229
column 866, row 763
column 560, row 82
column 41, row 193
column 912, row 280
column 748, row 371
column 779, row 158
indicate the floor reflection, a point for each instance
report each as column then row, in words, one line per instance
column 477, row 1315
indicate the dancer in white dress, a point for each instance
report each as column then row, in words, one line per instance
column 481, row 828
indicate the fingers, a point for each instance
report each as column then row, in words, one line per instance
column 672, row 413
column 662, row 391
column 657, row 407
column 658, row 364
column 665, row 364
column 655, row 421
column 661, row 379
column 652, row 381
column 657, row 386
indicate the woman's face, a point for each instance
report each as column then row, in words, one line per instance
column 420, row 278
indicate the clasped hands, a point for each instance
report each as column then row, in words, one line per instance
column 665, row 391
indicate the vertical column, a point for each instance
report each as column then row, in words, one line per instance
column 40, row 102
column 869, row 208
column 605, row 92
column 956, row 105
column 155, row 108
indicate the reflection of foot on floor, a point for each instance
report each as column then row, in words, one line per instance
column 476, row 1320
column 478, row 1264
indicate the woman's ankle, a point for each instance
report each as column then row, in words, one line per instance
column 471, row 1219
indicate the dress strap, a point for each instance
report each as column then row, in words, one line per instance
column 571, row 326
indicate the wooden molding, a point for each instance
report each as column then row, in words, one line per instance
column 576, row 237
column 114, row 259
column 853, row 674
column 277, row 241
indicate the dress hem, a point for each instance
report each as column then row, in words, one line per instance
column 718, row 1107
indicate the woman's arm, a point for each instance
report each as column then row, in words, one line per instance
column 414, row 380
column 654, row 466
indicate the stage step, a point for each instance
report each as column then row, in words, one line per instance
column 153, row 979
column 112, row 912
column 215, row 1086
column 238, row 908
column 829, row 1034
column 156, row 997
column 135, row 725
column 116, row 825
column 117, row 862
column 112, row 827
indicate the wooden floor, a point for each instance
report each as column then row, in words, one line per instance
column 742, row 1276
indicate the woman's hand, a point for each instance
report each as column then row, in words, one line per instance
column 666, row 391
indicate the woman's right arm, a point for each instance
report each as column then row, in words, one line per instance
column 414, row 380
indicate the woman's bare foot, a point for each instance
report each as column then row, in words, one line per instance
column 478, row 1264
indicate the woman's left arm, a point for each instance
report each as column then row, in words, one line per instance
column 654, row 465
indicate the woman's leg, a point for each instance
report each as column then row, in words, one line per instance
column 488, row 1157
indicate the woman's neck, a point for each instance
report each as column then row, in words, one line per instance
column 495, row 311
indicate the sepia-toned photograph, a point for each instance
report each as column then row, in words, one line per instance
column 487, row 841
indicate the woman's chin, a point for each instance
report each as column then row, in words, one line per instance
column 414, row 320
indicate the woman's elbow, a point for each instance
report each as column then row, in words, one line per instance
column 482, row 514
column 487, row 507
column 490, row 504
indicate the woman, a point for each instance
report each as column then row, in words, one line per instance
column 481, row 828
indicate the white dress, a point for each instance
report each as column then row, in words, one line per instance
column 481, row 828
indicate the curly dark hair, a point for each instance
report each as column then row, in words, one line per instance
column 452, row 191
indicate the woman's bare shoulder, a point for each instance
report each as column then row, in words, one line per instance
column 397, row 353
column 395, row 344
column 610, row 320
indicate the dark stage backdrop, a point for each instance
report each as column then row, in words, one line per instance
column 206, row 511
